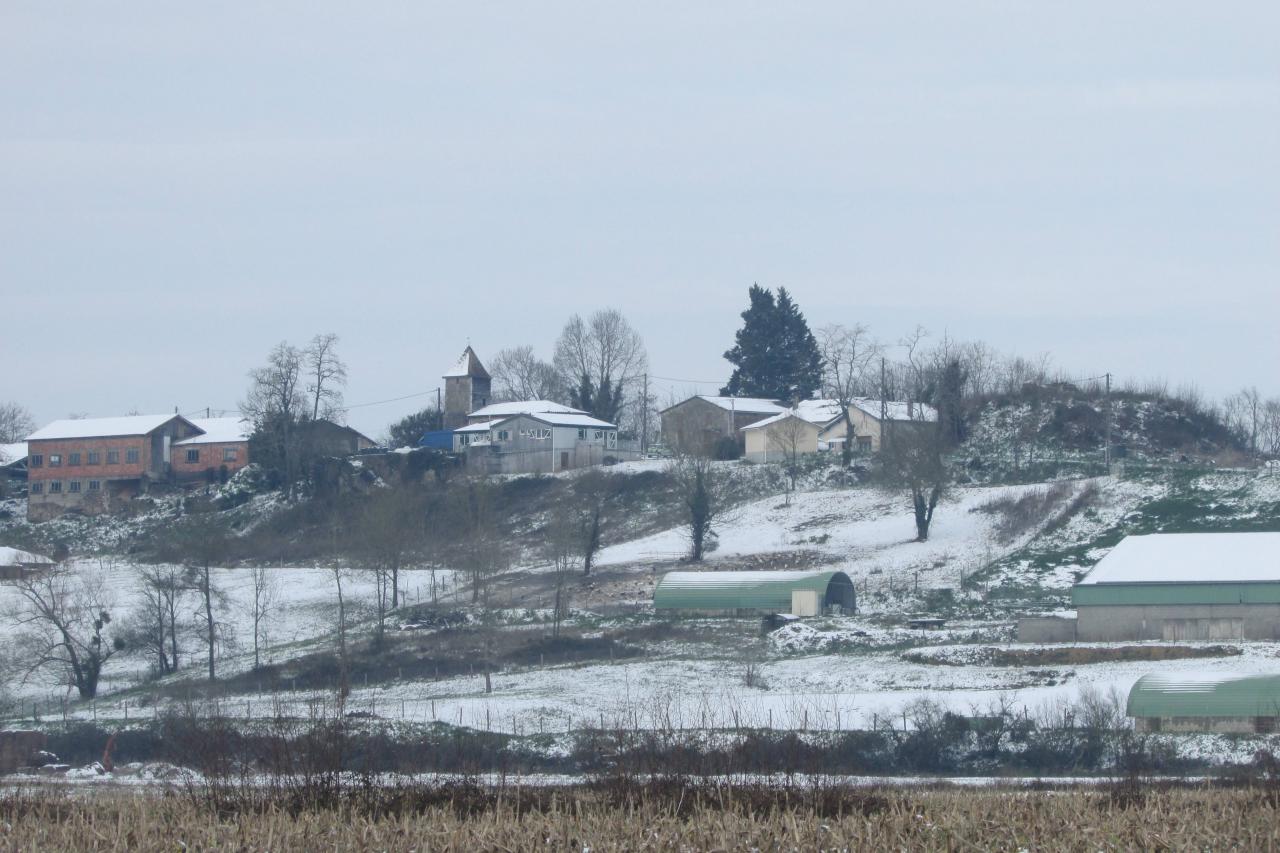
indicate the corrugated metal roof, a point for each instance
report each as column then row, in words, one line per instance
column 102, row 427
column 1104, row 594
column 523, row 407
column 738, row 590
column 1205, row 695
column 219, row 431
column 1190, row 558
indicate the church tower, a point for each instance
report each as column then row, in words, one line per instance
column 466, row 388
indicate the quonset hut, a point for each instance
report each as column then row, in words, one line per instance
column 1183, row 587
column 1214, row 702
column 804, row 593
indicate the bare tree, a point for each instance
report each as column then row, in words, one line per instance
column 561, row 547
column 603, row 357
column 276, row 405
column 390, row 526
column 344, row 681
column 914, row 461
column 16, row 422
column 1246, row 415
column 704, row 489
column 326, row 376
column 203, row 544
column 162, row 589
column 64, row 627
column 478, row 545
column 266, row 594
column 848, row 357
column 594, row 492
column 788, row 440
column 518, row 374
column 1271, row 427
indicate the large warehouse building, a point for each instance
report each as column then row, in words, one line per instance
column 1183, row 586
column 741, row 593
column 1214, row 702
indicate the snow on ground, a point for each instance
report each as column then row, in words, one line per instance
column 306, row 610
column 818, row 692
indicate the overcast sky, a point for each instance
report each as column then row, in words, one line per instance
column 183, row 185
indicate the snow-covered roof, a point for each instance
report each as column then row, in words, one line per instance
column 522, row 407
column 101, row 427
column 789, row 413
column 820, row 412
column 219, row 431
column 897, row 410
column 468, row 364
column 1190, row 558
column 749, row 405
column 483, row 426
column 572, row 419
column 11, row 453
column 15, row 557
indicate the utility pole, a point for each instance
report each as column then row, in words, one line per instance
column 1106, row 455
column 439, row 410
column 884, row 405
column 644, row 414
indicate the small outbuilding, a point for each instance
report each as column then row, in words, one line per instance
column 16, row 564
column 1183, row 587
column 800, row 593
column 1209, row 702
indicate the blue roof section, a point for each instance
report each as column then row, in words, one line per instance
column 440, row 439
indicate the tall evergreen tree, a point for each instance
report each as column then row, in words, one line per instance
column 775, row 355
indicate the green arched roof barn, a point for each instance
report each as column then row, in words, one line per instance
column 763, row 591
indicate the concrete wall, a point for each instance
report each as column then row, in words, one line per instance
column 1178, row 622
column 1215, row 725
column 695, row 425
column 18, row 749
column 774, row 443
column 1046, row 629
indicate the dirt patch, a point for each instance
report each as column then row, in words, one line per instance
column 1069, row 655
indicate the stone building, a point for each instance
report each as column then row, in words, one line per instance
column 466, row 389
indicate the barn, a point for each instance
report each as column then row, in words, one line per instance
column 1183, row 587
column 1230, row 703
column 801, row 593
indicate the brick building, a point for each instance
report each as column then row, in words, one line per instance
column 94, row 464
column 220, row 450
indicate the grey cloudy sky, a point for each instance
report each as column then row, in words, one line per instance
column 183, row 185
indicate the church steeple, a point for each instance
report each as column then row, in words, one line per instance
column 466, row 388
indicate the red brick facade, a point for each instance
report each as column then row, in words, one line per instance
column 210, row 459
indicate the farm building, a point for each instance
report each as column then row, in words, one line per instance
column 16, row 564
column 780, row 438
column 92, row 465
column 1183, row 586
column 697, row 424
column 538, row 442
column 221, row 449
column 1230, row 703
column 805, row 593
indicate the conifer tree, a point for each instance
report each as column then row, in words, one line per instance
column 775, row 355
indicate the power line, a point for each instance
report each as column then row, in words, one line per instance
column 392, row 400
column 690, row 381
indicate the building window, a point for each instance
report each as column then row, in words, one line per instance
column 193, row 455
column 55, row 487
column 228, row 454
column 37, row 460
column 113, row 457
column 95, row 485
column 55, row 460
column 582, row 435
column 504, row 435
column 37, row 488
column 131, row 455
column 864, row 444
column 95, row 457
column 73, row 458
column 74, row 486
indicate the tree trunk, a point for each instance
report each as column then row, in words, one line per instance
column 209, row 623
column 846, row 449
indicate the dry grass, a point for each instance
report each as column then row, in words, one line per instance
column 671, row 818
